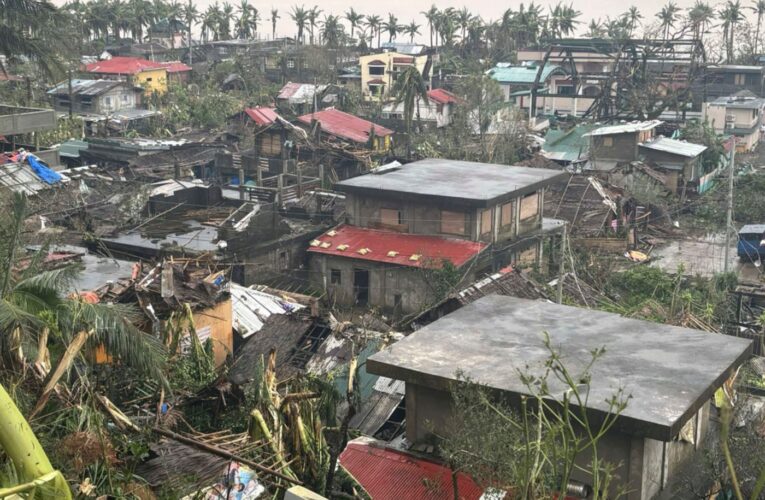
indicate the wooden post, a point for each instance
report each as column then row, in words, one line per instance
column 241, row 183
column 279, row 187
column 177, row 171
column 258, row 174
column 299, row 173
column 321, row 175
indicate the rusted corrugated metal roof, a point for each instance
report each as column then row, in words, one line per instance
column 442, row 96
column 390, row 247
column 344, row 125
column 390, row 474
column 261, row 115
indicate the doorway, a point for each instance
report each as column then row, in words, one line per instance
column 361, row 286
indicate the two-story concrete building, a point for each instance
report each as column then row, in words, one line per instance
column 153, row 77
column 380, row 71
column 404, row 222
column 669, row 374
column 739, row 115
column 437, row 111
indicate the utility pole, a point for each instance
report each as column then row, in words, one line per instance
column 729, row 218
column 190, row 44
column 561, row 259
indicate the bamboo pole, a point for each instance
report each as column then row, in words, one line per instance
column 214, row 450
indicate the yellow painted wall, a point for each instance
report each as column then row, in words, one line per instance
column 152, row 80
column 387, row 58
column 219, row 320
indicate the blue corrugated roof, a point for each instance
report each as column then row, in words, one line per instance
column 521, row 74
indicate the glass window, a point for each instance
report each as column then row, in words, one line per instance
column 529, row 206
column 377, row 70
column 335, row 277
column 608, row 142
column 452, row 222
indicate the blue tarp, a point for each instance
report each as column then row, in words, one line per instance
column 44, row 173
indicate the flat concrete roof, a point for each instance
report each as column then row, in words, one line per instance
column 473, row 183
column 669, row 371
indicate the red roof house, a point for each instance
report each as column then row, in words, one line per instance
column 441, row 96
column 262, row 116
column 391, row 247
column 345, row 126
column 122, row 66
column 387, row 474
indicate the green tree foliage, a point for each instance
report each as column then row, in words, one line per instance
column 208, row 109
column 702, row 133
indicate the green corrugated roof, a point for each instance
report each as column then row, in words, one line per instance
column 521, row 74
column 72, row 148
column 567, row 145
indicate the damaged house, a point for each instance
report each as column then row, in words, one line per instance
column 405, row 225
column 493, row 338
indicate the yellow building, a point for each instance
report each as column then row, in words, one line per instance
column 380, row 71
column 152, row 76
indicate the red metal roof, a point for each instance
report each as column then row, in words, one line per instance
column 403, row 60
column 392, row 475
column 442, row 96
column 123, row 66
column 261, row 115
column 344, row 125
column 375, row 245
column 376, row 81
column 175, row 67
column 376, row 62
column 289, row 90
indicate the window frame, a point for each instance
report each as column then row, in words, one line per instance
column 335, row 276
column 455, row 214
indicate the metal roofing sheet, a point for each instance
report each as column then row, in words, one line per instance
column 252, row 307
column 299, row 93
column 85, row 87
column 344, row 125
column 390, row 247
column 522, row 74
column 262, row 115
column 680, row 148
column 626, row 128
column 442, row 96
column 390, row 474
column 123, row 66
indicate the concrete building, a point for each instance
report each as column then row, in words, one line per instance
column 151, row 76
column 726, row 79
column 614, row 144
column 740, row 115
column 516, row 82
column 671, row 374
column 380, row 71
column 16, row 122
column 404, row 222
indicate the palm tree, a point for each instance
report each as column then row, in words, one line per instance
column 667, row 17
column 463, row 18
column 595, row 29
column 431, row 15
column 633, row 17
column 730, row 15
column 409, row 89
column 699, row 16
column 759, row 10
column 354, row 18
column 274, row 18
column 392, row 27
column 224, row 21
column 300, row 17
column 563, row 20
column 32, row 304
column 374, row 23
column 413, row 29
column 332, row 32
column 446, row 26
column 211, row 22
column 313, row 19
column 191, row 15
column 244, row 21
